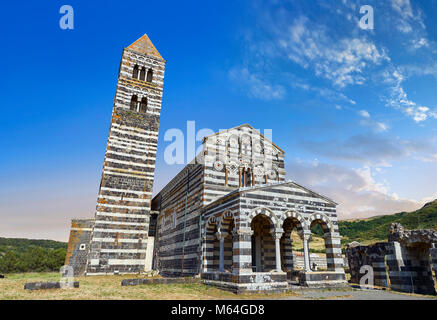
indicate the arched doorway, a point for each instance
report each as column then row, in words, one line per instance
column 292, row 245
column 322, row 227
column 226, row 228
column 210, row 246
column 263, row 244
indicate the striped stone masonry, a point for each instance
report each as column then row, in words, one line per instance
column 405, row 263
column 119, row 236
column 229, row 214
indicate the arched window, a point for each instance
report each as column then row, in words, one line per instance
column 143, row 105
column 133, row 103
column 135, row 73
column 149, row 75
column 143, row 74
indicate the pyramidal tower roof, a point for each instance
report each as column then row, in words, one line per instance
column 145, row 46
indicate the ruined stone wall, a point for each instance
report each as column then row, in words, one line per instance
column 374, row 256
column 78, row 245
column 402, row 267
column 411, row 270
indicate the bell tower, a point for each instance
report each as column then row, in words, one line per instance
column 120, row 233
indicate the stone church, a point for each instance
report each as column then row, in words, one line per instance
column 226, row 217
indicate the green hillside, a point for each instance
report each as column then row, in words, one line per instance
column 27, row 255
column 376, row 228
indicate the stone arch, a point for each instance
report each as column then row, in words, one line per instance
column 210, row 226
column 246, row 139
column 264, row 225
column 209, row 245
column 225, row 228
column 323, row 220
column 226, row 220
column 236, row 138
column 143, row 73
column 134, row 102
column 301, row 224
column 334, row 260
column 266, row 212
column 135, row 72
column 149, row 75
column 291, row 220
column 143, row 105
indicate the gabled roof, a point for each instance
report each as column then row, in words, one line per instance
column 268, row 185
column 145, row 46
column 241, row 126
column 287, row 182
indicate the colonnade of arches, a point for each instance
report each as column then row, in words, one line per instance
column 270, row 245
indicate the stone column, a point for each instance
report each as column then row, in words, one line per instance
column 242, row 255
column 258, row 263
column 288, row 252
column 334, row 259
column 277, row 235
column 433, row 253
column 221, row 237
column 306, row 236
column 208, row 252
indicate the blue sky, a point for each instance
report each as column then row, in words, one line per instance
column 355, row 110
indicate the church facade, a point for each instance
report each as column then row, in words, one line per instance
column 226, row 217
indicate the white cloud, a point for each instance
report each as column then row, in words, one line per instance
column 364, row 113
column 256, row 88
column 428, row 158
column 356, row 190
column 419, row 43
column 342, row 61
column 399, row 99
column 407, row 16
column 403, row 7
column 326, row 93
column 367, row 149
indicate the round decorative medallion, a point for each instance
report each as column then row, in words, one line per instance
column 218, row 165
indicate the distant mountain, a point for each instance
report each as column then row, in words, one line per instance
column 20, row 245
column 376, row 228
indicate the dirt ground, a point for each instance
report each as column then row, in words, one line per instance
column 109, row 288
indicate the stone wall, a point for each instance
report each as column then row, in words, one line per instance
column 79, row 245
column 178, row 229
column 374, row 256
column 405, row 263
